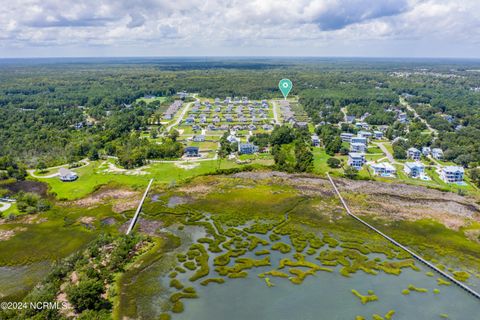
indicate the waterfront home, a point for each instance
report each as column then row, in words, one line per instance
column 191, row 152
column 346, row 136
column 199, row 138
column 413, row 153
column 356, row 160
column 414, row 169
column 426, row 151
column 67, row 175
column 437, row 153
column 383, row 169
column 315, row 140
column 247, row 148
column 452, row 174
column 358, row 147
column 358, row 139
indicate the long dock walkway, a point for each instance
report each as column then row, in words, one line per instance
column 139, row 208
column 416, row 256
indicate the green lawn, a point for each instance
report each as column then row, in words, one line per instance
column 148, row 100
column 93, row 176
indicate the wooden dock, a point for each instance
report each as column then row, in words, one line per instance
column 139, row 208
column 416, row 256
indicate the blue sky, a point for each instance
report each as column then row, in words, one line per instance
column 372, row 28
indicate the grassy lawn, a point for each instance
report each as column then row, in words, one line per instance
column 320, row 158
column 91, row 177
column 148, row 100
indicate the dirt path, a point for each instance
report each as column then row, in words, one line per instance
column 52, row 175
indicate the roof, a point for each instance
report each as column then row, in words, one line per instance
column 65, row 172
column 413, row 149
column 414, row 165
column 453, row 169
column 190, row 149
column 356, row 155
column 384, row 165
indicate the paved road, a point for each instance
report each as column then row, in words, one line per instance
column 409, row 108
column 32, row 171
column 275, row 113
column 387, row 153
column 180, row 118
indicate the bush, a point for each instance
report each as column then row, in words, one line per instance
column 334, row 163
column 87, row 295
column 351, row 173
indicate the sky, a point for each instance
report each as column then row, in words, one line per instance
column 352, row 28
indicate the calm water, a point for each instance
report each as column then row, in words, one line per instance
column 326, row 296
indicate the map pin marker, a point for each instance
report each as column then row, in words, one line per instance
column 285, row 86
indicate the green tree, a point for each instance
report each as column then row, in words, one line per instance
column 334, row 162
column 351, row 173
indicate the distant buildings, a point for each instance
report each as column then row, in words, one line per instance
column 247, row 148
column 172, row 109
column 346, row 136
column 358, row 139
column 191, row 152
column 437, row 153
column 378, row 135
column 426, row 151
column 413, row 153
column 414, row 169
column 67, row 175
column 358, row 147
column 199, row 138
column 315, row 140
column 452, row 174
column 356, row 160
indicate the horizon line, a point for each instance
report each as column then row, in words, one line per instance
column 244, row 57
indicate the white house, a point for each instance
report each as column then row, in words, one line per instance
column 358, row 139
column 414, row 169
column 346, row 136
column 452, row 174
column 247, row 148
column 199, row 138
column 437, row 153
column 378, row 135
column 426, row 151
column 67, row 175
column 365, row 134
column 413, row 153
column 358, row 147
column 356, row 160
column 315, row 140
column 383, row 169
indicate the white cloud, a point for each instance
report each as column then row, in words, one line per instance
column 301, row 27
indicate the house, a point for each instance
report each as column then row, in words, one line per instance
column 229, row 118
column 191, row 152
column 346, row 136
column 426, row 151
column 349, row 119
column 378, row 135
column 67, row 175
column 413, row 153
column 437, row 153
column 190, row 120
column 301, row 124
column 252, row 127
column 414, row 169
column 362, row 125
column 402, row 117
column 315, row 141
column 267, row 127
column 383, row 169
column 247, row 148
column 452, row 174
column 199, row 138
column 364, row 134
column 232, row 139
column 358, row 139
column 358, row 147
column 195, row 127
column 356, row 160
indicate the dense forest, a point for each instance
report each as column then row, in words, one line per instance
column 52, row 112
